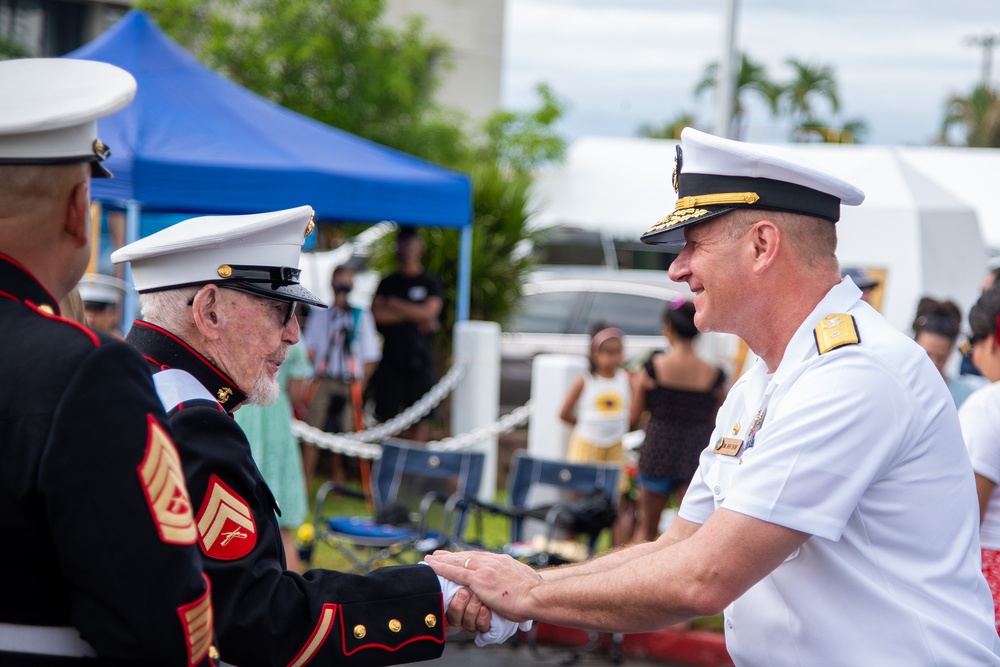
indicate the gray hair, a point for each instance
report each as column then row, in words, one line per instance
column 168, row 308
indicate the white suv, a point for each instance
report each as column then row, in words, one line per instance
column 561, row 305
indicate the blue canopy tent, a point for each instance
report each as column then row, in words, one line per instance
column 194, row 142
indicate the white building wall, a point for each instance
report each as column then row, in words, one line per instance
column 474, row 29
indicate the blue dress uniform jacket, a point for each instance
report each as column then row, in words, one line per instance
column 265, row 614
column 98, row 533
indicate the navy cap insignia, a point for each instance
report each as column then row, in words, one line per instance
column 678, row 162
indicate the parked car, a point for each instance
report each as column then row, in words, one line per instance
column 560, row 307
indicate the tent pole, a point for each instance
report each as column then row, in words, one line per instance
column 464, row 274
column 130, row 306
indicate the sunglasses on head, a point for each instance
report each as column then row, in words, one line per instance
column 995, row 335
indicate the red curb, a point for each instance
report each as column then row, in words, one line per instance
column 697, row 648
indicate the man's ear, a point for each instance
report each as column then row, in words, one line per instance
column 78, row 213
column 766, row 240
column 205, row 310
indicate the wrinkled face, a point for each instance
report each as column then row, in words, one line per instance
column 255, row 341
column 716, row 269
column 938, row 348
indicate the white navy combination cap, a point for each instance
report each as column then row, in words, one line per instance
column 257, row 254
column 714, row 176
column 51, row 106
column 99, row 289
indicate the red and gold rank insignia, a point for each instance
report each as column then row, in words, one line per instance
column 163, row 483
column 226, row 528
column 197, row 619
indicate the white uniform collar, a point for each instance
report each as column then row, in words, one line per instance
column 840, row 299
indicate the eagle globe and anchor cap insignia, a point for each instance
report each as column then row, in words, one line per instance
column 226, row 527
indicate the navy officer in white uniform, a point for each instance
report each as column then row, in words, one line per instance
column 832, row 518
column 218, row 296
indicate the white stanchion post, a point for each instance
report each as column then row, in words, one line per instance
column 551, row 377
column 476, row 399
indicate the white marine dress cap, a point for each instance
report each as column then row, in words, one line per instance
column 50, row 108
column 713, row 176
column 98, row 288
column 257, row 254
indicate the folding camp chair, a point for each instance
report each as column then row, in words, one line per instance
column 412, row 488
column 556, row 500
column 567, row 506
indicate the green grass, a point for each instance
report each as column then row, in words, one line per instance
column 495, row 530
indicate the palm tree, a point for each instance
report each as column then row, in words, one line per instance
column 808, row 83
column 979, row 116
column 670, row 130
column 850, row 132
column 752, row 77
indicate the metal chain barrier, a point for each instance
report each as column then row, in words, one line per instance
column 415, row 412
column 504, row 424
column 362, row 444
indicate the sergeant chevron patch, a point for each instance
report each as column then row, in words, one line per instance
column 226, row 529
column 163, row 483
column 197, row 619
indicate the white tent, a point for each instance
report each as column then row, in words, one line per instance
column 914, row 224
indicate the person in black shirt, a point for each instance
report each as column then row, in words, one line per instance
column 406, row 307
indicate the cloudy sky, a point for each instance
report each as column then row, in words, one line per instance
column 623, row 63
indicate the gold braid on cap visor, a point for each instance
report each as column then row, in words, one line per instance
column 719, row 199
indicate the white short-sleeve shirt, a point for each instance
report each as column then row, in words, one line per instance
column 861, row 448
column 980, row 417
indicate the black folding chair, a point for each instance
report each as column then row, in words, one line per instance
column 413, row 488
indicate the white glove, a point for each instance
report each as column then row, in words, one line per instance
column 500, row 628
column 500, row 631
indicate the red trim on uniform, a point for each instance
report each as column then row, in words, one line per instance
column 59, row 318
column 318, row 637
column 229, row 380
column 11, row 260
column 226, row 527
column 6, row 295
column 197, row 619
column 390, row 649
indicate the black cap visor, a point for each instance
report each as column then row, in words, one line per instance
column 278, row 291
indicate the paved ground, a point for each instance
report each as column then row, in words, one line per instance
column 463, row 653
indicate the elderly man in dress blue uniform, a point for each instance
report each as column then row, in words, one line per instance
column 98, row 563
column 218, row 295
column 833, row 518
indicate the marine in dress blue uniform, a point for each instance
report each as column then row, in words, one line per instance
column 98, row 563
column 265, row 614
